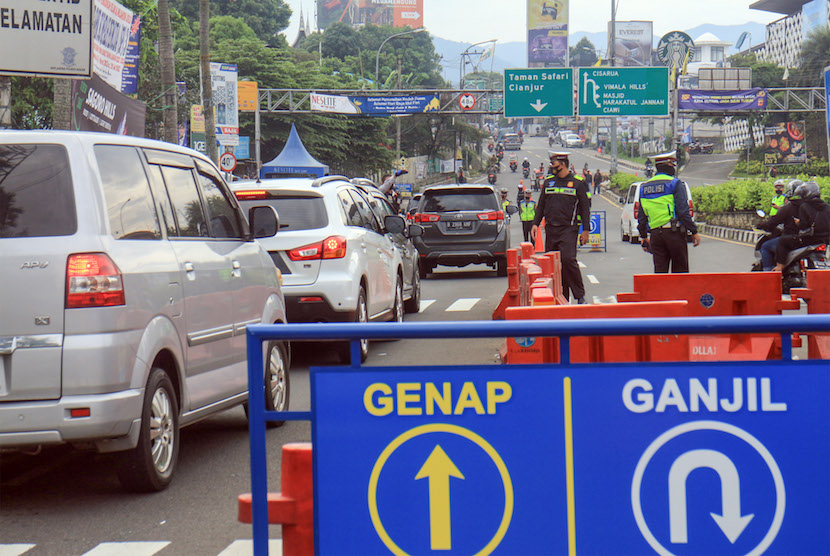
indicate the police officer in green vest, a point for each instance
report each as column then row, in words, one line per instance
column 779, row 198
column 664, row 217
column 527, row 212
column 564, row 199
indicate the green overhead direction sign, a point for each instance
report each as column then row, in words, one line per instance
column 541, row 92
column 624, row 92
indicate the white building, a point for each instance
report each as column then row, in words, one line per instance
column 710, row 52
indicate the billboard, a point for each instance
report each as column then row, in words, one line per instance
column 632, row 45
column 547, row 33
column 784, row 143
column 111, row 39
column 399, row 13
column 98, row 107
column 55, row 41
column 223, row 78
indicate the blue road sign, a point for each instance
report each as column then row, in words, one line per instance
column 410, row 461
column 702, row 458
column 827, row 98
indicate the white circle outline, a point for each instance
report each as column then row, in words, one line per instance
column 674, row 432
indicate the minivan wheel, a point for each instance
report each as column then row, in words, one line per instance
column 150, row 465
column 501, row 267
column 277, row 383
column 423, row 268
column 413, row 304
column 361, row 315
column 634, row 239
column 398, row 308
column 623, row 235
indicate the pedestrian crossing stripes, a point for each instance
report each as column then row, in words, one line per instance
column 425, row 303
column 239, row 547
column 463, row 304
column 592, row 279
column 581, row 264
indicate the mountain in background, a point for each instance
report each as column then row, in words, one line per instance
column 514, row 54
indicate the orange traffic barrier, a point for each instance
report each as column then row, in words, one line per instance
column 294, row 506
column 596, row 349
column 721, row 294
column 817, row 296
column 511, row 296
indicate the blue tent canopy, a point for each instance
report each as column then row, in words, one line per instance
column 294, row 161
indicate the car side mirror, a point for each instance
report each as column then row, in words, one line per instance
column 264, row 221
column 511, row 209
column 394, row 224
column 415, row 230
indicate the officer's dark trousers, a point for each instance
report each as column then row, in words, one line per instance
column 526, row 226
column 669, row 247
column 563, row 239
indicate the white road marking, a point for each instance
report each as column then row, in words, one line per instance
column 127, row 548
column 581, row 264
column 425, row 303
column 463, row 304
column 15, row 549
column 597, row 301
column 246, row 548
column 593, row 279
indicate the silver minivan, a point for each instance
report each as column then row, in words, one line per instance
column 130, row 275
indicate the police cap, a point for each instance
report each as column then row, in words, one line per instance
column 554, row 155
column 666, row 158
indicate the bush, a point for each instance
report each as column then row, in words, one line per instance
column 622, row 181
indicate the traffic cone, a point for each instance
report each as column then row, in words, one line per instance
column 540, row 240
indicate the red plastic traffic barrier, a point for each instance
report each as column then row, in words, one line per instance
column 720, row 294
column 817, row 296
column 596, row 349
column 294, row 506
column 511, row 296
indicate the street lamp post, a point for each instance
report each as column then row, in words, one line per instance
column 461, row 63
column 387, row 39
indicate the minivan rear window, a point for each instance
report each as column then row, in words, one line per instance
column 36, row 196
column 446, row 201
column 296, row 212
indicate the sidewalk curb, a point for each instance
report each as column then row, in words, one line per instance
column 749, row 237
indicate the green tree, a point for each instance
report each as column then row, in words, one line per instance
column 267, row 18
column 584, row 53
column 31, row 103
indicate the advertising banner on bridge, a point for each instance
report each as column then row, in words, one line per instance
column 695, row 99
column 785, row 143
column 399, row 13
column 547, row 33
column 632, row 46
column 374, row 106
column 98, row 107
column 55, row 41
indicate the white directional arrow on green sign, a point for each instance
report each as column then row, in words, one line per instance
column 530, row 93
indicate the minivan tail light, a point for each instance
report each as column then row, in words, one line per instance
column 427, row 218
column 691, row 209
column 333, row 247
column 93, row 280
column 636, row 209
column 495, row 215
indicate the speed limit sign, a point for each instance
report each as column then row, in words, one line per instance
column 467, row 101
column 227, row 162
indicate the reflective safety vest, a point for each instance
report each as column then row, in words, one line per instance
column 777, row 202
column 657, row 200
column 504, row 205
column 527, row 211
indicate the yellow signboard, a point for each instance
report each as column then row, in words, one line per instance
column 197, row 119
column 543, row 14
column 248, row 95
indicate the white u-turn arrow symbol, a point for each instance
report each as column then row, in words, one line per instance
column 730, row 521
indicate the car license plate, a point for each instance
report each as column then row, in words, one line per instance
column 466, row 225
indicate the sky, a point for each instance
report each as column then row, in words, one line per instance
column 506, row 20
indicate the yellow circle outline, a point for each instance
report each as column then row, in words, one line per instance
column 451, row 429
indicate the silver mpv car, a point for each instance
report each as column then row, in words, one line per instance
column 130, row 275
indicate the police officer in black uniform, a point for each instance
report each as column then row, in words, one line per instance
column 564, row 198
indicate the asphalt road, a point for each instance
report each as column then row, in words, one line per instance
column 68, row 503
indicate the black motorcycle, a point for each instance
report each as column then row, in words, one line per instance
column 798, row 261
column 514, row 165
column 491, row 177
column 525, row 172
column 701, row 148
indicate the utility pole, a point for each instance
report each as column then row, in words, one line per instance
column 612, row 43
column 398, row 117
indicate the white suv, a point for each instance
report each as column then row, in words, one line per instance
column 338, row 261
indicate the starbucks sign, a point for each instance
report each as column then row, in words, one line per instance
column 673, row 48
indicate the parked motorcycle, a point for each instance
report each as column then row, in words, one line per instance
column 701, row 148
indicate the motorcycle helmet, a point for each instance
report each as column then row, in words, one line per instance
column 782, row 183
column 789, row 193
column 808, row 190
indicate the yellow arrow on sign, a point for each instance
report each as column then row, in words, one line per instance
column 439, row 468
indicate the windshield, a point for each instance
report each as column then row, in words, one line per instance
column 447, row 201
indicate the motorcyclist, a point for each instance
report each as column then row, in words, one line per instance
column 813, row 223
column 649, row 169
column 783, row 222
column 491, row 175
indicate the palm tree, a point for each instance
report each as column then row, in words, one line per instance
column 815, row 56
column 207, row 90
column 168, row 74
